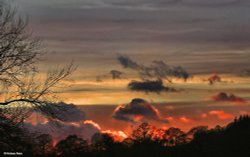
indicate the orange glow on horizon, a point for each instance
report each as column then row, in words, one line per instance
column 221, row 114
column 118, row 136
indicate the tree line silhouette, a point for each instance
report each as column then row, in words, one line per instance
column 145, row 140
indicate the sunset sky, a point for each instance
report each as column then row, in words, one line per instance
column 205, row 37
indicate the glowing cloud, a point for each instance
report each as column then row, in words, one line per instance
column 61, row 130
column 85, row 129
column 136, row 111
column 185, row 119
column 116, row 135
column 222, row 115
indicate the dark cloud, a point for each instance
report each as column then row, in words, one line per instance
column 213, row 3
column 116, row 74
column 138, row 110
column 161, row 70
column 157, row 69
column 130, row 4
column 149, row 86
column 1, row 4
column 166, row 3
column 128, row 63
column 161, row 4
column 62, row 111
column 144, row 4
column 222, row 96
column 245, row 72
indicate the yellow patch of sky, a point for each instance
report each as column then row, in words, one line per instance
column 115, row 92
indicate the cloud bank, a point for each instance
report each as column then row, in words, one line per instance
column 60, row 130
column 74, row 123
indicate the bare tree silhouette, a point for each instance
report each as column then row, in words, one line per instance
column 20, row 84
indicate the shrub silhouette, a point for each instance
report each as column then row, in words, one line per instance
column 71, row 146
column 13, row 138
column 42, row 145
